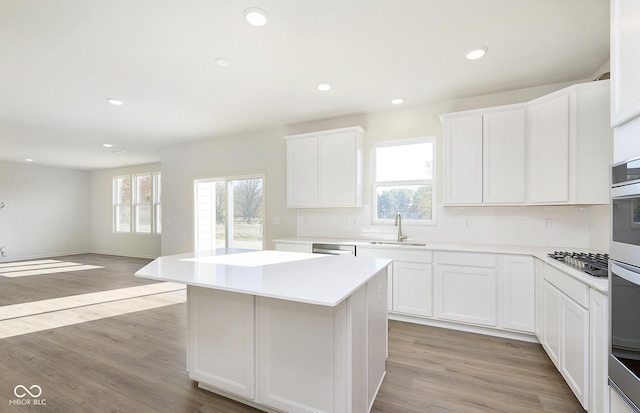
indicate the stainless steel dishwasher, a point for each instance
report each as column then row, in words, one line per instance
column 333, row 249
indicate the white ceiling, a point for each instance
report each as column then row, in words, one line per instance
column 61, row 59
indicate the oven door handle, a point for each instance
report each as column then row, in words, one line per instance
column 627, row 274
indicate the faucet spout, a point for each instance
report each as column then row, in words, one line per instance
column 398, row 224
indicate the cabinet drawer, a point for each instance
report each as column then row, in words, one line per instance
column 573, row 288
column 396, row 254
column 467, row 259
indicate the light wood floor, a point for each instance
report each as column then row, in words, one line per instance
column 135, row 362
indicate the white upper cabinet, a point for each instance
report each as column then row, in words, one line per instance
column 503, row 157
column 302, row 172
column 570, row 146
column 625, row 61
column 552, row 150
column 485, row 156
column 548, row 123
column 463, row 160
column 324, row 169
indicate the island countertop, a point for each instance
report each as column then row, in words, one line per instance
column 302, row 277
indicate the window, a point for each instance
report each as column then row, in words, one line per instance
column 403, row 174
column 122, row 203
column 229, row 213
column 136, row 201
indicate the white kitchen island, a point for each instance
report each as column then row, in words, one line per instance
column 284, row 331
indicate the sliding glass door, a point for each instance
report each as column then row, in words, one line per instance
column 229, row 213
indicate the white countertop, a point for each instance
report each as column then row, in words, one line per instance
column 600, row 284
column 308, row 278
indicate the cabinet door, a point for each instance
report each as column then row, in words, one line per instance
column 574, row 347
column 463, row 160
column 518, row 285
column 466, row 294
column 625, row 61
column 225, row 361
column 302, row 172
column 504, row 157
column 412, row 288
column 548, row 160
column 339, row 177
column 551, row 324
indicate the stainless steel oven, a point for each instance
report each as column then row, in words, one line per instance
column 624, row 281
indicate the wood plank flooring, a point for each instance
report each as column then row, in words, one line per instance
column 135, row 362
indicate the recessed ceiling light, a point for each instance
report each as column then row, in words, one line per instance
column 222, row 62
column 107, row 145
column 115, row 102
column 324, row 86
column 28, row 159
column 255, row 16
column 397, row 101
column 476, row 53
column 119, row 151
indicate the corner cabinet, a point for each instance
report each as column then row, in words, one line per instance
column 570, row 146
column 324, row 169
column 573, row 330
column 485, row 156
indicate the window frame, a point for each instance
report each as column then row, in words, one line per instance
column 227, row 181
column 154, row 204
column 375, row 184
column 117, row 205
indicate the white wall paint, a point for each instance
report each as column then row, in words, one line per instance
column 103, row 239
column 48, row 210
column 261, row 152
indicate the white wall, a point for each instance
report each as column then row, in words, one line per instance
column 103, row 239
column 261, row 152
column 48, row 210
column 264, row 152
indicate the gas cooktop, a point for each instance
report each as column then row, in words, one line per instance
column 596, row 265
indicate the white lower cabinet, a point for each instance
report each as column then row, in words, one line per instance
column 517, row 277
column 574, row 348
column 566, row 339
column 466, row 294
column 231, row 367
column 291, row 356
column 412, row 288
column 411, row 284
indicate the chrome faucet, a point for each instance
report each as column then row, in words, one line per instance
column 399, row 225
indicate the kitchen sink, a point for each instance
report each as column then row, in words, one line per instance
column 408, row 244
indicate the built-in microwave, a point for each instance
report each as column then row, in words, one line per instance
column 624, row 282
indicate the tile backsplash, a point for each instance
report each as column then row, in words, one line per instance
column 568, row 227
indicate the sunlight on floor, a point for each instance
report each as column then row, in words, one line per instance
column 42, row 315
column 40, row 267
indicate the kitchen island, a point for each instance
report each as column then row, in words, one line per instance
column 283, row 331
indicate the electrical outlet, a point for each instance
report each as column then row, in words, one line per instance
column 547, row 224
column 467, row 223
